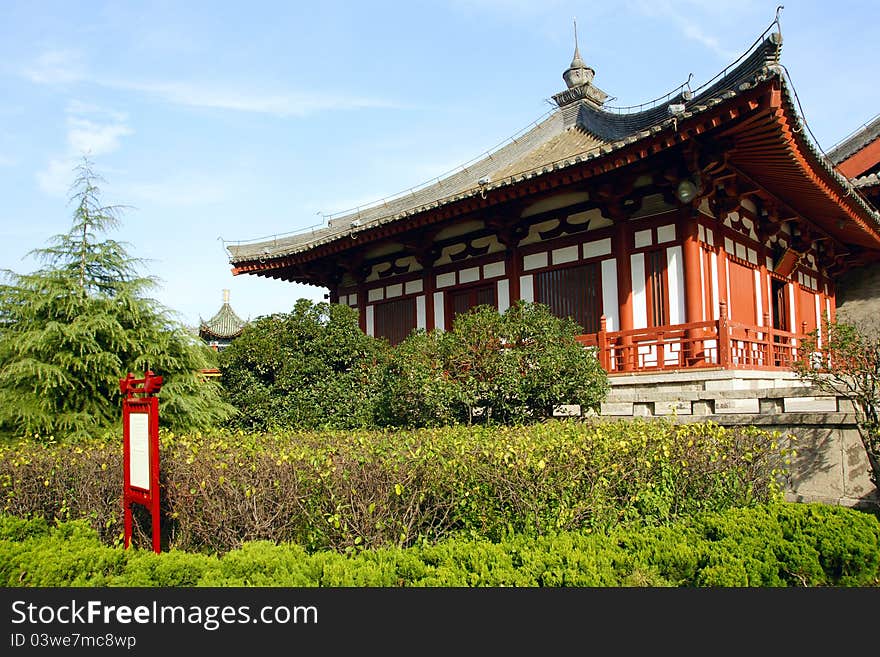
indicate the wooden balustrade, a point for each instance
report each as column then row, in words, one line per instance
column 717, row 343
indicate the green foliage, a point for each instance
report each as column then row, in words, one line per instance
column 312, row 367
column 510, row 367
column 72, row 329
column 845, row 361
column 769, row 545
column 350, row 490
column 417, row 387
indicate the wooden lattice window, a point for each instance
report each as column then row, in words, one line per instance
column 657, row 288
column 460, row 301
column 574, row 292
column 394, row 320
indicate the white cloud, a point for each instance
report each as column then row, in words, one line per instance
column 85, row 136
column 509, row 8
column 78, row 107
column 57, row 67
column 66, row 67
column 279, row 104
column 55, row 179
column 91, row 130
column 186, row 190
column 684, row 15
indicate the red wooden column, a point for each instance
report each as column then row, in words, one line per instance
column 723, row 336
column 426, row 253
column 362, row 306
column 510, row 234
column 721, row 264
column 514, row 271
column 693, row 301
column 622, row 245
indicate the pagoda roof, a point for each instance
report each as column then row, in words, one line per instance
column 225, row 324
column 581, row 135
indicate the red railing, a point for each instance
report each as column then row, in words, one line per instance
column 716, row 343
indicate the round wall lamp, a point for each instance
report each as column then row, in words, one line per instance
column 686, row 191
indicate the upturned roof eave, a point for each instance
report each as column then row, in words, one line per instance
column 594, row 157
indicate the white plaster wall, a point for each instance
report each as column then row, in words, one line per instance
column 639, row 297
column 759, row 303
column 503, row 295
column 371, row 329
column 610, row 306
column 421, row 316
column 716, row 310
column 704, row 313
column 675, row 280
column 727, row 284
column 439, row 318
column 527, row 288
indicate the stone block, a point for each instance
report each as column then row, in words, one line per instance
column 748, row 405
column 617, row 408
column 567, row 410
column 810, row 404
column 672, row 408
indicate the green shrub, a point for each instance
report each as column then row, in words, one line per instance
column 310, row 368
column 417, row 388
column 351, row 490
column 772, row 545
column 511, row 368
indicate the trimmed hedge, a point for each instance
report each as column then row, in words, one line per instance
column 351, row 490
column 774, row 545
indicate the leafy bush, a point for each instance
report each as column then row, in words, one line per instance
column 312, row 367
column 417, row 387
column 349, row 490
column 512, row 367
column 773, row 545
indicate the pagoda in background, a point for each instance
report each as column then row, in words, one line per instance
column 219, row 331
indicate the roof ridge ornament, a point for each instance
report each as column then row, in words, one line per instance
column 578, row 73
column 579, row 81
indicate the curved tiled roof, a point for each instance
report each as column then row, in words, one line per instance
column 573, row 134
column 856, row 142
column 224, row 324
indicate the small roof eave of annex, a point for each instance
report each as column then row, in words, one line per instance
column 849, row 146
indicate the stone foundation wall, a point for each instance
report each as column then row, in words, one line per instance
column 830, row 465
column 858, row 298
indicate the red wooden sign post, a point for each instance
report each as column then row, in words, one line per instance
column 140, row 440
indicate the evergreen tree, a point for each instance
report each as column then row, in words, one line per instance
column 73, row 328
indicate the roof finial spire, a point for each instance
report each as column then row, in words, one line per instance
column 225, row 296
column 578, row 73
column 579, row 80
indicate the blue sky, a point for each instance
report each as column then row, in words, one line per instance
column 231, row 121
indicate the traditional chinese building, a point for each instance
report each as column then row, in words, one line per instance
column 858, row 158
column 223, row 327
column 702, row 230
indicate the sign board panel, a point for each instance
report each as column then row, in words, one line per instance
column 139, row 444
